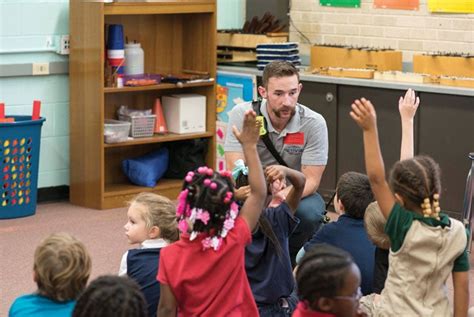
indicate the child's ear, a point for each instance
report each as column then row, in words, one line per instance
column 399, row 199
column 325, row 304
column 154, row 232
column 339, row 206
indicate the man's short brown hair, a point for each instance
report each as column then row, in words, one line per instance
column 278, row 69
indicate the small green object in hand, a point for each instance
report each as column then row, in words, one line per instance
column 262, row 126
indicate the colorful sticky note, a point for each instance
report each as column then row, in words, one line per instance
column 340, row 3
column 397, row 4
column 453, row 6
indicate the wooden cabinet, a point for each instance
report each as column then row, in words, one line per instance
column 175, row 36
column 447, row 135
column 350, row 145
column 322, row 98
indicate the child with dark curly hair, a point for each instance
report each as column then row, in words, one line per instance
column 328, row 284
column 111, row 296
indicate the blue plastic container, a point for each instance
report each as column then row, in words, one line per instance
column 19, row 162
column 115, row 37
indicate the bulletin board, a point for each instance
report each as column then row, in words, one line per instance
column 232, row 89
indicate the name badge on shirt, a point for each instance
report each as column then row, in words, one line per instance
column 294, row 138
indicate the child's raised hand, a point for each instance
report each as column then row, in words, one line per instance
column 250, row 129
column 363, row 113
column 408, row 104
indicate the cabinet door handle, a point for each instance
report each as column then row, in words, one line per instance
column 329, row 97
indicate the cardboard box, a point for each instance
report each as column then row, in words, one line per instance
column 248, row 40
column 185, row 113
column 348, row 72
column 443, row 65
column 380, row 60
column 457, row 81
column 406, row 77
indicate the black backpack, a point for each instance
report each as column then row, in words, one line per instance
column 186, row 156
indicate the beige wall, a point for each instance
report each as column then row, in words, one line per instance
column 408, row 31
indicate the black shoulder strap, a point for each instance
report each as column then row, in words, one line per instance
column 265, row 138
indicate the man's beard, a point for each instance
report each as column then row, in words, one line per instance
column 277, row 113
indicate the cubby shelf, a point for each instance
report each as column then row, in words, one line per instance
column 175, row 36
column 111, row 90
column 160, row 138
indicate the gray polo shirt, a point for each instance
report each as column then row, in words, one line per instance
column 304, row 140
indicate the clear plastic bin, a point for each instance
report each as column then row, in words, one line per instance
column 116, row 131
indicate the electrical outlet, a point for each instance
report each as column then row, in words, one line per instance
column 49, row 42
column 40, row 69
column 64, row 45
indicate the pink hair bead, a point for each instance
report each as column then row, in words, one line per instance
column 188, row 178
column 210, row 172
column 213, row 185
column 202, row 170
column 207, row 181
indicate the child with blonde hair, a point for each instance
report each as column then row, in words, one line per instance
column 203, row 274
column 425, row 244
column 61, row 269
column 374, row 223
column 152, row 224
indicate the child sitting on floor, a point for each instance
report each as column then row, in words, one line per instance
column 425, row 244
column 374, row 223
column 267, row 258
column 111, row 296
column 328, row 284
column 61, row 269
column 374, row 220
column 203, row 274
column 152, row 224
column 353, row 195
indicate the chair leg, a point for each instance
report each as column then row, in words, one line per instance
column 468, row 197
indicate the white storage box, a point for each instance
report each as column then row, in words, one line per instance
column 185, row 113
column 116, row 131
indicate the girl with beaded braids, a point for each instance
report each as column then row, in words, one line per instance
column 203, row 273
column 425, row 244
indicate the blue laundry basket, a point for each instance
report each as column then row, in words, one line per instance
column 19, row 161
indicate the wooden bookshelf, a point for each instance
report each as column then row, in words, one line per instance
column 175, row 36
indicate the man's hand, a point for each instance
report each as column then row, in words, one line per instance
column 363, row 113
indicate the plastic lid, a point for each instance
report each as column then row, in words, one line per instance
column 132, row 45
